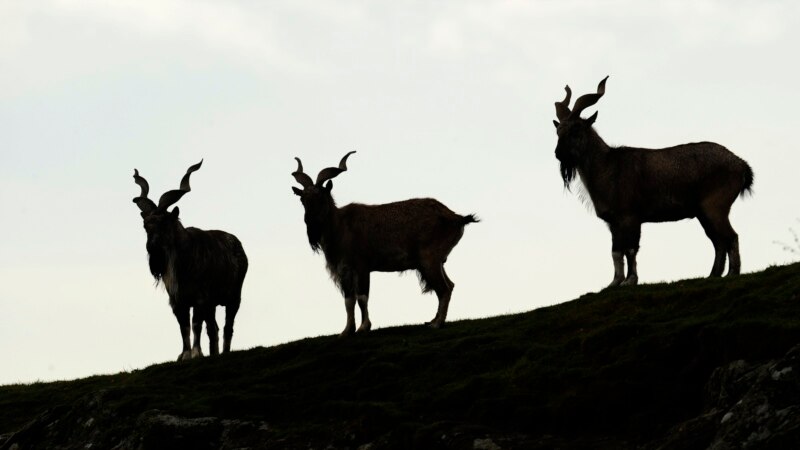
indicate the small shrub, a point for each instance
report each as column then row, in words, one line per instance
column 794, row 246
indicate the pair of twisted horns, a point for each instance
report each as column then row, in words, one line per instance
column 562, row 108
column 168, row 198
column 324, row 174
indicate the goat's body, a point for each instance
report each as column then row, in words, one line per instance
column 664, row 185
column 629, row 186
column 396, row 236
column 415, row 234
column 201, row 270
column 206, row 269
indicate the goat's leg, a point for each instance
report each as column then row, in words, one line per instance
column 435, row 278
column 182, row 314
column 633, row 277
column 362, row 297
column 349, row 289
column 197, row 331
column 730, row 244
column 619, row 268
column 714, row 234
column 625, row 236
column 735, row 264
column 444, row 299
column 350, row 308
column 632, row 235
column 719, row 260
column 446, row 278
column 227, row 332
column 212, row 330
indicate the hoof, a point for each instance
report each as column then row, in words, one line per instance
column 434, row 324
column 187, row 355
column 616, row 282
column 630, row 281
column 347, row 332
column 365, row 326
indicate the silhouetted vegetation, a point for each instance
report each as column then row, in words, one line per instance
column 794, row 246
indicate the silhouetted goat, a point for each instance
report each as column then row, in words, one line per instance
column 629, row 186
column 357, row 239
column 200, row 269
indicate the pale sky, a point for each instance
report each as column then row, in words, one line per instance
column 446, row 99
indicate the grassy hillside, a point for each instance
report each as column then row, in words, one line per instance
column 620, row 366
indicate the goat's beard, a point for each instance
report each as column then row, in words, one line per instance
column 314, row 232
column 568, row 172
column 157, row 258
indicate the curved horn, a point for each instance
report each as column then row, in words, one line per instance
column 332, row 172
column 169, row 198
column 587, row 100
column 185, row 179
column 142, row 183
column 145, row 204
column 300, row 176
column 562, row 107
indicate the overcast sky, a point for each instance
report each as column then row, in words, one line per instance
column 447, row 99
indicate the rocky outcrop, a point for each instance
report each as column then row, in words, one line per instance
column 88, row 424
column 747, row 407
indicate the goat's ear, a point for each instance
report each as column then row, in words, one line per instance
column 174, row 213
column 591, row 119
column 555, row 122
column 329, row 185
column 297, row 191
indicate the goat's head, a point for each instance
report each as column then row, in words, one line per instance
column 161, row 226
column 316, row 198
column 573, row 131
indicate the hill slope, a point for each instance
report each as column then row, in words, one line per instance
column 620, row 368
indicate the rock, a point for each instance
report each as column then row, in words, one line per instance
column 747, row 406
column 768, row 414
column 485, row 444
column 99, row 427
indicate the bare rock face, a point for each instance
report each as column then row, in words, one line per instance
column 747, row 407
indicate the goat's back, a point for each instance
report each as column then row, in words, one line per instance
column 395, row 236
column 690, row 162
column 680, row 177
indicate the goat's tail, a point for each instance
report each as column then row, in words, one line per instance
column 469, row 218
column 747, row 181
